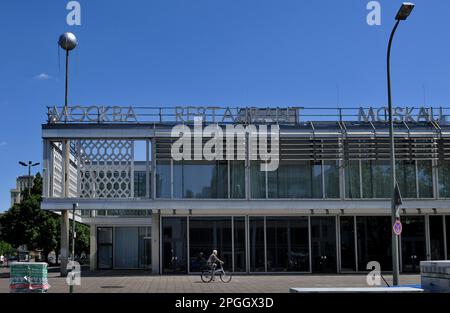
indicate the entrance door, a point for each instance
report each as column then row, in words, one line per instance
column 147, row 253
column 413, row 243
column 323, row 244
column 174, row 245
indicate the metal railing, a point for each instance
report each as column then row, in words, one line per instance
column 244, row 115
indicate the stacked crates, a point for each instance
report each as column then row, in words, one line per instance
column 28, row 277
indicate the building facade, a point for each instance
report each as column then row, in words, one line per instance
column 22, row 183
column 325, row 209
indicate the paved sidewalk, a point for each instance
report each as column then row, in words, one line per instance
column 142, row 282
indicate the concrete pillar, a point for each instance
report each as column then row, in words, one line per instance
column 93, row 248
column 64, row 242
column 155, row 243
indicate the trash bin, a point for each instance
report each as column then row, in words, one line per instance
column 28, row 277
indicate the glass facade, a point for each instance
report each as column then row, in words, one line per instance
column 363, row 179
column 163, row 179
column 275, row 244
column 296, row 179
column 444, row 178
column 413, row 243
column 200, row 180
column 123, row 247
column 375, row 174
column 367, row 179
column 352, row 179
column 140, row 184
column 323, row 244
column 174, row 245
column 374, row 241
column 437, row 240
column 287, row 244
column 104, row 247
column 239, row 244
column 347, row 244
column 207, row 234
column 257, row 244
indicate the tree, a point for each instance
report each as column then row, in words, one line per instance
column 27, row 224
column 5, row 248
column 82, row 239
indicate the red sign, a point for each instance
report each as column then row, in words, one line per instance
column 397, row 228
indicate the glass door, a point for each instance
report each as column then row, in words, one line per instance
column 105, row 248
column 323, row 244
column 147, row 253
column 413, row 243
column 174, row 245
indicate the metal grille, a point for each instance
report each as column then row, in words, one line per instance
column 378, row 148
column 106, row 168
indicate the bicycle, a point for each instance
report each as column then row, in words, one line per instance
column 207, row 275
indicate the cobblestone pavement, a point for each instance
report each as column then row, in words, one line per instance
column 142, row 282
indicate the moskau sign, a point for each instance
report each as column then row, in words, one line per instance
column 401, row 114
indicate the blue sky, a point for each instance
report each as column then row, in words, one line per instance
column 211, row 52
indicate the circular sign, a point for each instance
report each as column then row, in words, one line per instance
column 397, row 227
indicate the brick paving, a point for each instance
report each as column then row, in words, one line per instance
column 144, row 282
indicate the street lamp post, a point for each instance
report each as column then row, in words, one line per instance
column 29, row 165
column 403, row 13
column 67, row 42
column 74, row 207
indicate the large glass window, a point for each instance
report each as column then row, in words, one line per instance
column 174, row 244
column 413, row 243
column 239, row 244
column 257, row 181
column 200, row 180
column 237, row 179
column 444, row 179
column 375, row 174
column 406, row 178
column 447, row 232
column 331, row 177
column 425, row 178
column 140, row 184
column 126, row 247
column 163, row 179
column 437, row 243
column 323, row 244
column 348, row 262
column 207, row 234
column 374, row 241
column 296, row 179
column 257, row 258
column 104, row 248
column 287, row 244
column 352, row 180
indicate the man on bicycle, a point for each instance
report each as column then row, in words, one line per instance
column 212, row 262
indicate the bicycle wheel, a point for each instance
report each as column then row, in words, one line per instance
column 225, row 277
column 206, row 276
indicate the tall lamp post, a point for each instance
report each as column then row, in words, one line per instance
column 403, row 13
column 29, row 165
column 67, row 42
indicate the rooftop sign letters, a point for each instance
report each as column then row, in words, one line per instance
column 243, row 115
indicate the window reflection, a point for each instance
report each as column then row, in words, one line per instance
column 374, row 241
column 208, row 234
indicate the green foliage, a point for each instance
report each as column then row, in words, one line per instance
column 82, row 239
column 26, row 223
column 5, row 248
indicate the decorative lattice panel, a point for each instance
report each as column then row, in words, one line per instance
column 106, row 168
